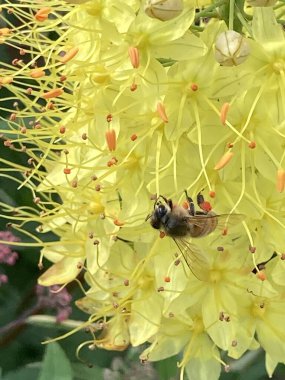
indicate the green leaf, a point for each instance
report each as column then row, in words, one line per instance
column 83, row 372
column 25, row 373
column 167, row 369
column 55, row 364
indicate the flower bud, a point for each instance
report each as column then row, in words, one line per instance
column 261, row 3
column 163, row 9
column 231, row 48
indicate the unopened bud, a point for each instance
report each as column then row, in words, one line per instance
column 163, row 10
column 231, row 48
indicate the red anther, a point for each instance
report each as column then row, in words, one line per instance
column 194, row 87
column 74, row 183
column 134, row 137
column 118, row 223
column 63, row 78
column 225, row 232
column 133, row 87
column 212, row 194
column 252, row 249
column 261, row 275
column 167, row 279
column 66, row 170
column 8, row 143
column 162, row 234
column 252, row 145
column 62, row 130
column 230, row 145
column 205, row 206
column 109, row 118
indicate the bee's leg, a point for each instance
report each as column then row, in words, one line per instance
column 170, row 203
column 191, row 208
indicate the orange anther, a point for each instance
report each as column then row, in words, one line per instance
column 161, row 111
column 118, row 223
column 37, row 73
column 167, row 279
column 224, row 160
column 280, row 185
column 212, row 194
column 185, row 205
column 66, row 171
column 261, row 275
column 53, row 93
column 42, row 14
column 252, row 145
column 134, row 137
column 224, row 113
column 6, row 80
column 111, row 139
column 69, row 55
column 5, row 31
column 194, row 87
column 162, row 234
column 134, row 56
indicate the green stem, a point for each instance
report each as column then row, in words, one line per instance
column 206, row 12
column 231, row 14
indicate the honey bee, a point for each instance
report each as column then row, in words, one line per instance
column 182, row 223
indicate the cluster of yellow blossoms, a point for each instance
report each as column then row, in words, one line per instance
column 118, row 101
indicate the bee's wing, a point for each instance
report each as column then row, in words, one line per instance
column 194, row 257
column 223, row 220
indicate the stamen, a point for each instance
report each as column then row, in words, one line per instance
column 134, row 137
column 224, row 160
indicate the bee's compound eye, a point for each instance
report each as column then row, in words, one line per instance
column 161, row 210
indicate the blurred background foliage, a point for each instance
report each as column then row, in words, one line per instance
column 24, row 357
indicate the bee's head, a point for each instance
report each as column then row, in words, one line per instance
column 157, row 217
